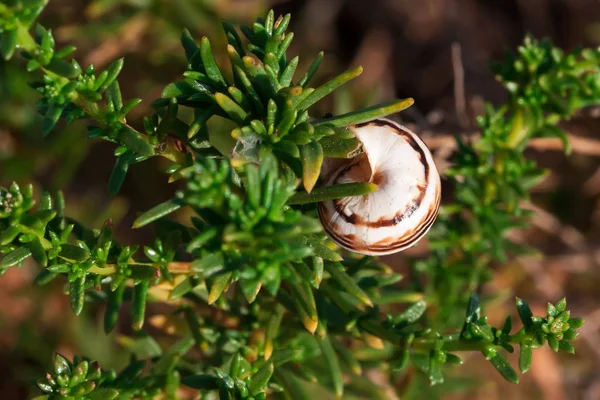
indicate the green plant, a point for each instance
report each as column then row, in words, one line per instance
column 263, row 303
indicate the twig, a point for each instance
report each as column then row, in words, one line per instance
column 579, row 144
column 549, row 223
column 459, row 85
column 591, row 187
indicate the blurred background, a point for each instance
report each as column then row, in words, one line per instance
column 436, row 51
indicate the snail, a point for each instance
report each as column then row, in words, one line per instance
column 406, row 203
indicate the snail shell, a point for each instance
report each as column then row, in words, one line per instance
column 406, row 203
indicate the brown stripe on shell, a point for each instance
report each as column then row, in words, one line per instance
column 386, row 245
column 400, row 216
column 413, row 236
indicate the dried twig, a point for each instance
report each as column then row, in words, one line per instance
column 459, row 85
column 579, row 144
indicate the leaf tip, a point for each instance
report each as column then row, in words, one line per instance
column 310, row 324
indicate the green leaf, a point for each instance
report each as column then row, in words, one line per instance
column 202, row 381
column 473, row 309
column 113, row 95
column 319, row 267
column 235, row 112
column 285, row 43
column 504, row 368
column 208, row 264
column 304, row 303
column 326, row 193
column 201, row 116
column 272, row 330
column 131, row 372
column 158, row 212
column 256, row 101
column 210, row 65
column 138, row 306
column 271, row 113
column 566, row 346
column 64, row 68
column 261, row 379
column 311, row 155
column 73, row 253
column 143, row 347
column 250, row 289
column 269, row 22
column 553, row 343
column 288, row 147
column 288, row 118
column 186, row 286
column 253, row 185
column 453, row 359
column 288, row 73
column 282, row 24
column 8, row 43
column 51, row 118
column 329, row 87
column 119, row 172
column 111, row 314
column 435, row 372
column 576, row 323
column 179, row 88
column 193, row 324
column 367, row 114
column 525, row 357
column 525, row 314
column 172, row 355
column 311, row 70
column 135, row 142
column 561, row 305
column 233, row 37
column 14, row 257
column 113, row 71
column 77, row 294
column 333, row 366
column 103, row 394
column 38, row 252
column 189, row 44
column 294, row 387
column 335, row 147
column 347, row 357
column 45, row 277
column 61, row 365
column 218, row 286
column 8, row 235
column 320, row 250
column 62, row 53
column 345, row 281
column 411, row 314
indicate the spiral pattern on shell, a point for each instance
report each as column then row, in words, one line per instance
column 406, row 203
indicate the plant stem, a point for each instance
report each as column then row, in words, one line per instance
column 177, row 267
column 27, row 42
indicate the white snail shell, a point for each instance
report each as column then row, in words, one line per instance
column 406, row 203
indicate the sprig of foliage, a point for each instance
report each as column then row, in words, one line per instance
column 492, row 176
column 321, row 315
